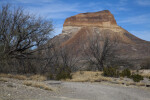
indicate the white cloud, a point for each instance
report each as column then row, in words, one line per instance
column 141, row 19
column 18, row 2
column 61, row 9
column 123, row 2
column 120, row 6
column 143, row 2
column 33, row 1
column 57, row 15
column 54, row 8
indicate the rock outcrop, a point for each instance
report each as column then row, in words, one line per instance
column 101, row 22
column 78, row 28
column 101, row 19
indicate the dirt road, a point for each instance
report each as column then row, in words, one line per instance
column 15, row 90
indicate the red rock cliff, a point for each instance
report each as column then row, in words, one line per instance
column 101, row 19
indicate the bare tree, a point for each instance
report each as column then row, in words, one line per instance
column 50, row 56
column 20, row 34
column 21, row 31
column 68, row 57
column 99, row 50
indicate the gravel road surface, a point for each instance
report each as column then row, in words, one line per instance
column 15, row 90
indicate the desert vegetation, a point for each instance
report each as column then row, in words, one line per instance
column 100, row 51
column 20, row 33
column 23, row 48
column 98, row 76
column 27, row 52
column 113, row 72
column 38, row 85
column 146, row 64
column 93, row 58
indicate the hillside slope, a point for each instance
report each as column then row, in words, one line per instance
column 79, row 28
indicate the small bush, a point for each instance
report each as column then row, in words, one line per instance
column 126, row 72
column 146, row 64
column 19, row 77
column 140, row 84
column 38, row 85
column 51, row 76
column 38, row 77
column 137, row 77
column 110, row 72
column 89, row 76
column 81, row 72
column 64, row 73
column 3, row 79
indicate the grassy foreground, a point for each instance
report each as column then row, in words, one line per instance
column 80, row 76
column 90, row 76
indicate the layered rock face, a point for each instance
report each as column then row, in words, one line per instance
column 101, row 22
column 77, row 29
column 102, row 19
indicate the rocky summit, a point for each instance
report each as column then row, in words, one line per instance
column 77, row 29
column 100, row 19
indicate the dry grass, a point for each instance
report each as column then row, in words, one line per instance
column 38, row 77
column 23, row 77
column 19, row 77
column 121, row 78
column 130, row 83
column 88, row 76
column 38, row 85
column 144, row 73
column 5, row 75
column 120, row 82
column 135, row 84
column 34, row 83
column 3, row 79
column 140, row 84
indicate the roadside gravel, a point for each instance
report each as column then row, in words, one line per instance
column 14, row 90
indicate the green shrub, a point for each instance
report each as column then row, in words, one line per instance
column 50, row 76
column 110, row 72
column 137, row 77
column 63, row 73
column 145, row 64
column 126, row 72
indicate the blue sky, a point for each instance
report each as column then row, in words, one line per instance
column 132, row 15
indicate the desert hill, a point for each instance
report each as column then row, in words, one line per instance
column 79, row 28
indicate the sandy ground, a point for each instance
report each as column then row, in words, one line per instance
column 15, row 90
